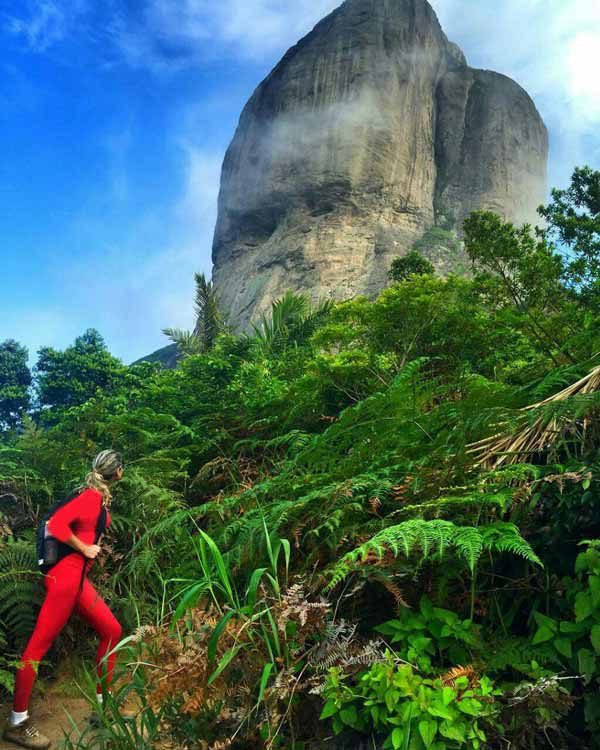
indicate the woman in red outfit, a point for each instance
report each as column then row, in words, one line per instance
column 68, row 590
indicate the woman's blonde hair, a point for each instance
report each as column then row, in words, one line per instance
column 104, row 470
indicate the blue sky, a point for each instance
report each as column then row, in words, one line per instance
column 115, row 116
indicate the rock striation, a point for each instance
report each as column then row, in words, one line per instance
column 369, row 135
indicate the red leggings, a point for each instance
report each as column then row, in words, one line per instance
column 63, row 596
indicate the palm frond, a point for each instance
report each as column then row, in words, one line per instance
column 540, row 425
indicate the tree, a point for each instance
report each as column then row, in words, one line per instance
column 209, row 321
column 70, row 378
column 15, row 379
column 529, row 275
column 411, row 264
column 574, row 223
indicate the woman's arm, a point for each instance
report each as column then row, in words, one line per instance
column 87, row 550
column 60, row 525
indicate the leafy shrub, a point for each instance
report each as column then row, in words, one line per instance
column 431, row 637
column 577, row 641
column 435, row 237
column 409, row 710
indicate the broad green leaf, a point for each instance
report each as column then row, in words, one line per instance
column 594, row 584
column 583, row 606
column 543, row 635
column 453, row 731
column 390, row 627
column 428, row 730
column 563, row 646
column 440, row 712
column 542, row 620
column 397, row 738
column 329, row 709
column 426, row 608
column 419, row 642
column 574, row 628
column 469, row 706
column 587, row 663
column 349, row 715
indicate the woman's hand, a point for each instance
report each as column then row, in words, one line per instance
column 91, row 551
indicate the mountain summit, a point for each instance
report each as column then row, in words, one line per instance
column 371, row 134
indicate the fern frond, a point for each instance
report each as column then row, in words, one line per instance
column 435, row 539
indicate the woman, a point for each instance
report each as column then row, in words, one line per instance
column 68, row 590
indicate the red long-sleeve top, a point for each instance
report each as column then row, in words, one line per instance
column 79, row 517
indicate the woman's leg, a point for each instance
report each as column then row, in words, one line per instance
column 92, row 608
column 61, row 593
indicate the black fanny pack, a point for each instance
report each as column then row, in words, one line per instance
column 50, row 550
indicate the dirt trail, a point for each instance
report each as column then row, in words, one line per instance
column 50, row 715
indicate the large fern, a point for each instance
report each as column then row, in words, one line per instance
column 434, row 540
column 20, row 589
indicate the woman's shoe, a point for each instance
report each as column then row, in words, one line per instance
column 27, row 735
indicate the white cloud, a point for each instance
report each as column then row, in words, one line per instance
column 141, row 287
column 248, row 28
column 198, row 206
column 551, row 47
column 44, row 23
column 582, row 59
column 167, row 35
column 170, row 273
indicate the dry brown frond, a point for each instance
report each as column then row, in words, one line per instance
column 298, row 530
column 375, row 559
column 530, row 439
column 449, row 679
column 178, row 669
column 568, row 476
column 310, row 617
column 341, row 647
column 395, row 591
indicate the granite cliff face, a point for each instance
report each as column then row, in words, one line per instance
column 370, row 132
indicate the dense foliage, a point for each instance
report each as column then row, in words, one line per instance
column 15, row 379
column 377, row 519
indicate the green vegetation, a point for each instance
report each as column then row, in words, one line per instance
column 70, row 378
column 374, row 519
column 417, row 712
column 437, row 237
column 412, row 263
column 15, row 379
column 209, row 321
